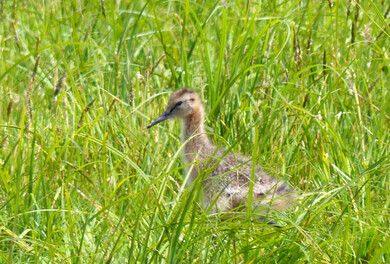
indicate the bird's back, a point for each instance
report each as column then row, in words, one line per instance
column 226, row 181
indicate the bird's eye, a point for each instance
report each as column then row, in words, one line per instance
column 192, row 99
column 179, row 103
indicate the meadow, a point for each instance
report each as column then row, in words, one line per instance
column 300, row 86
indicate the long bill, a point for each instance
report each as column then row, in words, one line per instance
column 159, row 119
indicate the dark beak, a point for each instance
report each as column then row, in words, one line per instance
column 159, row 119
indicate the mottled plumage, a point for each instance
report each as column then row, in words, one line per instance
column 226, row 177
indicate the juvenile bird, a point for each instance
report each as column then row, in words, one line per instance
column 225, row 177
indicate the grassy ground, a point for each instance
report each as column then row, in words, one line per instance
column 302, row 86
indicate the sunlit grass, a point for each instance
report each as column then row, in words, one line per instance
column 83, row 181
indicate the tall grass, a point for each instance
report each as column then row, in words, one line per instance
column 302, row 86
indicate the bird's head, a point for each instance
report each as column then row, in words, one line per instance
column 182, row 104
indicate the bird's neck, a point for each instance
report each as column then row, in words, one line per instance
column 195, row 138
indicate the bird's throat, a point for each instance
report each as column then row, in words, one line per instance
column 195, row 138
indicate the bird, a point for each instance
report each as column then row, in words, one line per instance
column 225, row 176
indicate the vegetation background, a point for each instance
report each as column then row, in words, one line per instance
column 302, row 86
